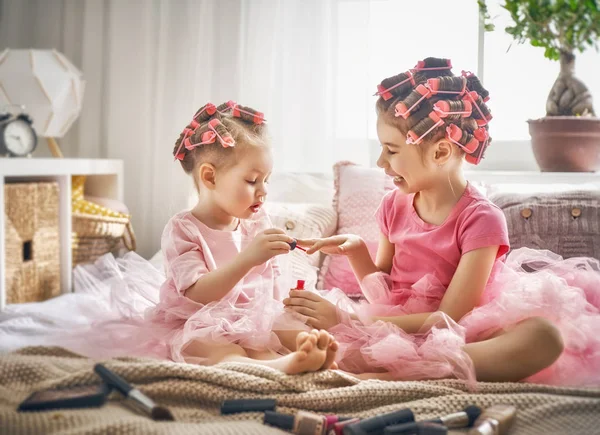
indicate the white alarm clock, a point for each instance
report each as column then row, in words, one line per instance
column 17, row 136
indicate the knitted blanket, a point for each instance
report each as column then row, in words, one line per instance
column 194, row 393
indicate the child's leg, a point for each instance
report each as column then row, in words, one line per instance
column 310, row 356
column 508, row 356
column 513, row 355
column 289, row 339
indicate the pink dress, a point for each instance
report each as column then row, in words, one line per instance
column 127, row 307
column 527, row 283
column 246, row 316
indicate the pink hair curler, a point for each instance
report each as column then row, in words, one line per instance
column 435, row 84
column 411, row 137
column 420, row 66
column 481, row 134
column 403, row 111
column 473, row 96
column 257, row 117
column 442, row 108
column 454, row 134
column 386, row 94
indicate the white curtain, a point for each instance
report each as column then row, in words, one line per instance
column 150, row 64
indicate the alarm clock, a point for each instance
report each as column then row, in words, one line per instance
column 17, row 136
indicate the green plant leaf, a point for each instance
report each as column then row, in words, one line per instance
column 571, row 25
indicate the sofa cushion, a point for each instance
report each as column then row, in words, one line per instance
column 564, row 219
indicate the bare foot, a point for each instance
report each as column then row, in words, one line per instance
column 311, row 354
column 314, row 349
column 332, row 349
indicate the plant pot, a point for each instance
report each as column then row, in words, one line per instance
column 566, row 143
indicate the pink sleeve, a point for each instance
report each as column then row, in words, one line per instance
column 184, row 259
column 485, row 226
column 385, row 212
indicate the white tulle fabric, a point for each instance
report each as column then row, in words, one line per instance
column 126, row 307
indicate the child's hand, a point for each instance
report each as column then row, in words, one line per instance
column 319, row 312
column 267, row 245
column 343, row 244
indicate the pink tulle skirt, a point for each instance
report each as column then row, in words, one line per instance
column 117, row 310
column 529, row 284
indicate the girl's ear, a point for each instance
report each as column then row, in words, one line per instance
column 442, row 152
column 207, row 175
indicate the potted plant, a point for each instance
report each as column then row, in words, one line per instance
column 568, row 137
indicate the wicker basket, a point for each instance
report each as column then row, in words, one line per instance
column 96, row 235
column 97, row 230
column 32, row 242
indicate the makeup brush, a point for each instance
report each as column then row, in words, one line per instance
column 133, row 395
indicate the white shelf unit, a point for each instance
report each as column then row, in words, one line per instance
column 104, row 179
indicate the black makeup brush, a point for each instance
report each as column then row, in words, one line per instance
column 133, row 395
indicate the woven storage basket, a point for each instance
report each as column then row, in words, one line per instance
column 96, row 230
column 96, row 235
column 32, row 242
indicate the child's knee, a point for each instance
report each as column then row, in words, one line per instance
column 548, row 336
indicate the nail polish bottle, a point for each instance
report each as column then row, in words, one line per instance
column 332, row 419
column 308, row 423
column 303, row 423
column 496, row 420
column 338, row 428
